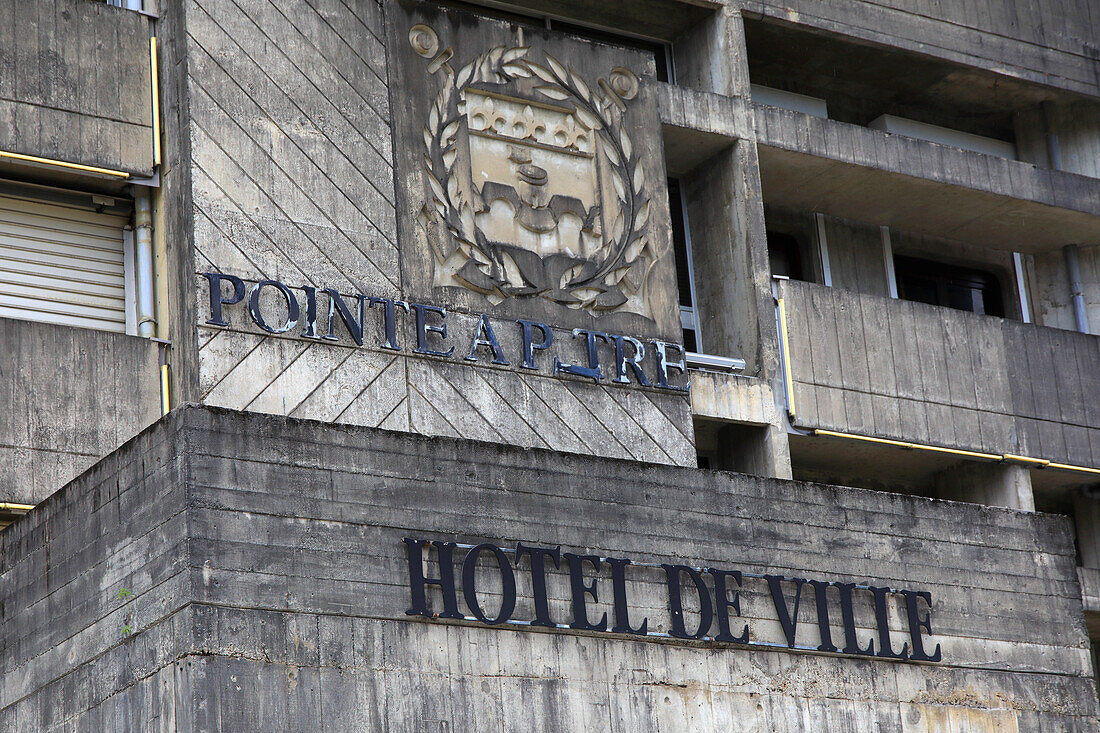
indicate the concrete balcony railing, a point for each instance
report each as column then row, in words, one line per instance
column 858, row 173
column 907, row 371
column 68, row 397
column 78, row 87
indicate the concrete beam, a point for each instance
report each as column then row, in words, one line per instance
column 991, row 484
column 855, row 172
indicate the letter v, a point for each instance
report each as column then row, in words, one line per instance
column 787, row 619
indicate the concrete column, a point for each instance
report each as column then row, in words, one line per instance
column 1086, row 517
column 992, row 484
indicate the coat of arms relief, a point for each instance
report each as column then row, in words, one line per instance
column 536, row 189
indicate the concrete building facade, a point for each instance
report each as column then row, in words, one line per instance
column 361, row 355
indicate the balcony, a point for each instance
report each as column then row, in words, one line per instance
column 910, row 372
column 75, row 85
column 811, row 163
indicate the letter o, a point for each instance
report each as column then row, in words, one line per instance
column 507, row 581
column 291, row 306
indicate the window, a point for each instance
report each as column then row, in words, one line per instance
column 950, row 286
column 65, row 258
column 785, row 255
column 681, row 247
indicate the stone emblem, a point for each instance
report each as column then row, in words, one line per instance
column 535, row 187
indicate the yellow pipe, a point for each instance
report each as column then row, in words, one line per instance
column 156, row 99
column 1070, row 467
column 786, row 357
column 7, row 507
column 63, row 164
column 1035, row 462
column 1025, row 459
column 164, row 405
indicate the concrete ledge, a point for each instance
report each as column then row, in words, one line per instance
column 1016, row 38
column 698, row 124
column 855, row 172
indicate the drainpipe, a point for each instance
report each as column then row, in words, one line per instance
column 1073, row 267
column 143, row 262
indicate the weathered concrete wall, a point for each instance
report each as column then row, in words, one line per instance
column 1051, row 42
column 1076, row 126
column 1051, row 288
column 75, row 84
column 292, row 168
column 145, row 611
column 68, row 397
column 908, row 371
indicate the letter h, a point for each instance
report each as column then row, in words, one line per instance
column 418, row 583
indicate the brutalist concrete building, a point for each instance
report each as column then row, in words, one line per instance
column 531, row 365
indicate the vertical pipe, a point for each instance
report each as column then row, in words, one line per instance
column 143, row 262
column 1073, row 267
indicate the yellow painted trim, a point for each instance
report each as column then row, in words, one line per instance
column 909, row 446
column 156, row 99
column 63, row 164
column 164, row 404
column 1025, row 459
column 786, row 358
column 1070, row 467
column 1012, row 457
column 7, row 507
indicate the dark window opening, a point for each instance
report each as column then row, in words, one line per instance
column 682, row 255
column 679, row 242
column 785, row 255
column 949, row 286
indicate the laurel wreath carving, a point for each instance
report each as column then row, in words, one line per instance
column 602, row 284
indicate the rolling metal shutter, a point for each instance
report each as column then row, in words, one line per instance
column 62, row 261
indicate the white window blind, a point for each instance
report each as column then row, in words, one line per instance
column 63, row 261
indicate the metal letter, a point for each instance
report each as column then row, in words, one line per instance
column 489, row 339
column 355, row 328
column 389, row 320
column 621, row 362
column 538, row 579
column 507, row 583
column 916, row 623
column 848, row 618
column 821, row 600
column 580, row 590
column 529, row 345
column 310, row 331
column 885, row 649
column 591, row 371
column 417, row 581
column 676, row 605
column 422, row 329
column 217, row 300
column 663, row 364
column 291, row 306
column 723, row 603
column 622, row 608
column 787, row 619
